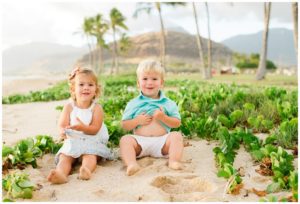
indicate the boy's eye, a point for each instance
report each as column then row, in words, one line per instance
column 80, row 84
column 91, row 84
column 144, row 78
column 154, row 79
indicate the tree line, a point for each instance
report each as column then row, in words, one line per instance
column 97, row 27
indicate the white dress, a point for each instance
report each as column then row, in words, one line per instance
column 78, row 143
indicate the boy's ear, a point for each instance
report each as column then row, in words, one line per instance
column 137, row 83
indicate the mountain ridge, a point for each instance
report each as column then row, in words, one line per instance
column 281, row 47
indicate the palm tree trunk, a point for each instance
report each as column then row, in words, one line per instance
column 113, row 67
column 100, row 60
column 261, row 71
column 199, row 43
column 90, row 52
column 295, row 19
column 95, row 56
column 162, row 37
column 208, row 70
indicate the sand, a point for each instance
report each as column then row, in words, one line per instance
column 155, row 182
column 19, row 85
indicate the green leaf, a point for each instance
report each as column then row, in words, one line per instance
column 268, row 124
column 273, row 187
column 27, row 193
column 217, row 150
column 25, row 184
column 270, row 139
column 235, row 116
column 223, row 173
column 277, row 174
column 249, row 106
column 224, row 120
column 6, row 150
column 257, row 155
column 7, row 200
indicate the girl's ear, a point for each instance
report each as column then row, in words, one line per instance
column 137, row 83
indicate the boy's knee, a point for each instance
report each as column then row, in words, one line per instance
column 126, row 140
column 176, row 136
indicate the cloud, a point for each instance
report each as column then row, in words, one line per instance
column 27, row 21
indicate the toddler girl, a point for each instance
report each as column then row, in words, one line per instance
column 81, row 125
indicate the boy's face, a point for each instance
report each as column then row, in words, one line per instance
column 150, row 83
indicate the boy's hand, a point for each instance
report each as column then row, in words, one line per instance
column 144, row 119
column 159, row 114
column 79, row 127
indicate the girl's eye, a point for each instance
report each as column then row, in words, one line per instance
column 80, row 84
column 154, row 79
column 144, row 78
column 91, row 84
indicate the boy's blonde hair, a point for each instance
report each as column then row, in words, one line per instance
column 150, row 65
column 86, row 71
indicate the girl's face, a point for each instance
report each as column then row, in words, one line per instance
column 150, row 83
column 85, row 88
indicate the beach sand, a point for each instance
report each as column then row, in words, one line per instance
column 19, row 85
column 198, row 180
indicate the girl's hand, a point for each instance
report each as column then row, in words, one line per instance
column 159, row 114
column 62, row 134
column 144, row 119
column 79, row 127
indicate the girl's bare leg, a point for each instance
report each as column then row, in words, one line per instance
column 174, row 147
column 129, row 150
column 63, row 169
column 88, row 166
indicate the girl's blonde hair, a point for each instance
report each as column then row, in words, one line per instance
column 86, row 71
column 150, row 65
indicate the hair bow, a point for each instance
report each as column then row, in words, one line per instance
column 73, row 73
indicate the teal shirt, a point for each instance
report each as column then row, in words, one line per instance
column 148, row 105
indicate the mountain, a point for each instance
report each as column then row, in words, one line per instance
column 180, row 46
column 40, row 57
column 281, row 47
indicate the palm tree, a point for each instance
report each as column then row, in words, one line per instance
column 208, row 71
column 148, row 8
column 116, row 20
column 125, row 44
column 199, row 43
column 295, row 19
column 261, row 71
column 100, row 27
column 87, row 29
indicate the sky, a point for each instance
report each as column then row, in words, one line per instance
column 61, row 21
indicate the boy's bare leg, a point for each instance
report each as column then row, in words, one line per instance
column 88, row 166
column 63, row 168
column 174, row 147
column 129, row 150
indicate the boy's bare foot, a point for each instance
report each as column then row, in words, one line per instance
column 56, row 177
column 132, row 169
column 84, row 173
column 175, row 165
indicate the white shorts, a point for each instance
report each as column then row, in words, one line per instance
column 151, row 146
